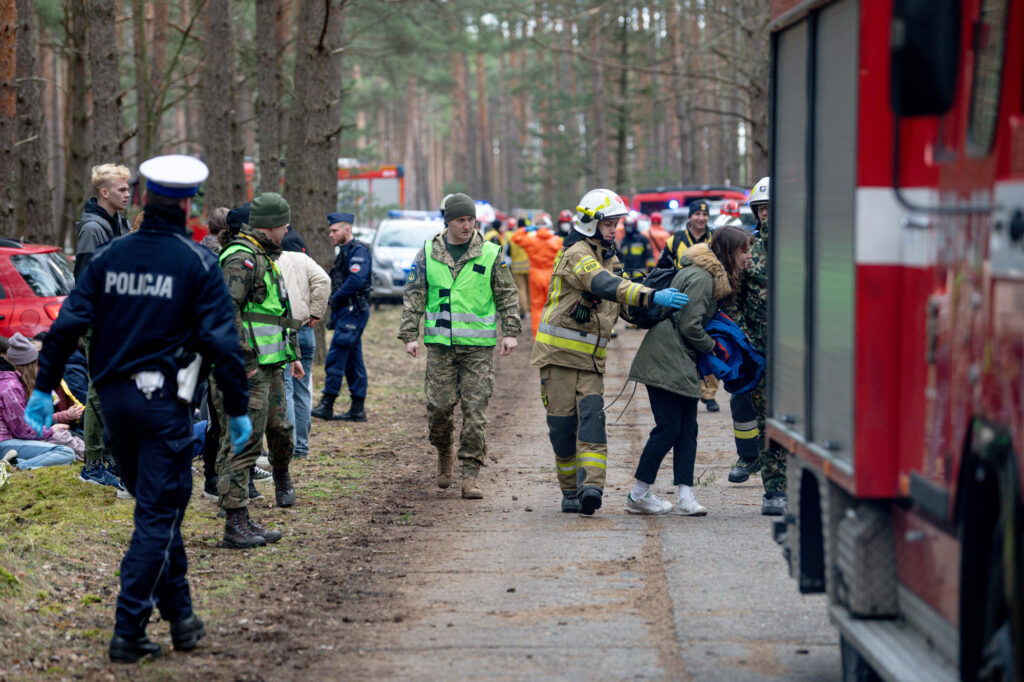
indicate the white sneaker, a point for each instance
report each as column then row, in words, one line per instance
column 687, row 505
column 648, row 504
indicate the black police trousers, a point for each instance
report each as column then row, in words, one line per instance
column 152, row 438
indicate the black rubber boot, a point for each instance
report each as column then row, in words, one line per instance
column 742, row 470
column 590, row 501
column 325, row 410
column 186, row 632
column 254, row 494
column 236, row 531
column 355, row 412
column 773, row 504
column 268, row 534
column 570, row 502
column 124, row 650
column 284, row 493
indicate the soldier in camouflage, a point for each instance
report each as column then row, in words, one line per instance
column 269, row 342
column 461, row 284
column 749, row 310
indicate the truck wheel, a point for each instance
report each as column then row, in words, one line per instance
column 855, row 667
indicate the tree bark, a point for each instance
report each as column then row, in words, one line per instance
column 104, row 68
column 268, row 93
column 34, row 207
column 483, row 131
column 219, row 123
column 78, row 142
column 143, row 94
column 311, row 173
column 8, row 97
column 598, row 136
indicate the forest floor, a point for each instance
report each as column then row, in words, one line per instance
column 381, row 575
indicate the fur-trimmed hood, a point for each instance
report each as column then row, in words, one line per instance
column 703, row 257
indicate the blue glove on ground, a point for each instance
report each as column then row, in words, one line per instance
column 39, row 411
column 670, row 298
column 240, row 429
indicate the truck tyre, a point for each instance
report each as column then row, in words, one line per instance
column 855, row 667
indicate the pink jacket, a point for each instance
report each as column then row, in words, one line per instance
column 12, row 409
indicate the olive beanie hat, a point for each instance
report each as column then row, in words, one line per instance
column 269, row 210
column 458, row 205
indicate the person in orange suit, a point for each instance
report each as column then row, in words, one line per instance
column 540, row 246
column 657, row 235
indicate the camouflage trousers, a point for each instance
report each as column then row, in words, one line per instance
column 574, row 400
column 268, row 412
column 92, row 427
column 773, row 459
column 455, row 375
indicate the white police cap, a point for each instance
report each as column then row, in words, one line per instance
column 174, row 175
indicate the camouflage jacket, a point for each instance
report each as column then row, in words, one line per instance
column 749, row 309
column 244, row 276
column 503, row 288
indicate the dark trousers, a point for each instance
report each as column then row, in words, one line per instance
column 152, row 438
column 345, row 356
column 675, row 428
column 213, row 434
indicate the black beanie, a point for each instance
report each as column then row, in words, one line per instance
column 458, row 205
column 237, row 217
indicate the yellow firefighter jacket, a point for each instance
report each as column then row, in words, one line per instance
column 585, row 274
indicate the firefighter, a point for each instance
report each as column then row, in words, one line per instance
column 564, row 223
column 658, row 235
column 519, row 265
column 750, row 311
column 728, row 214
column 541, row 247
column 585, row 297
column 637, row 257
column 694, row 232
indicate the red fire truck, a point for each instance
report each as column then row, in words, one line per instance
column 896, row 338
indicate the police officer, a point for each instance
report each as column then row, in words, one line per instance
column 268, row 343
column 159, row 311
column 350, row 311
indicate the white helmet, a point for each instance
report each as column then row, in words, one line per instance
column 484, row 213
column 543, row 220
column 595, row 206
column 759, row 194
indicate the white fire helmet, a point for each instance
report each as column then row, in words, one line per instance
column 543, row 220
column 484, row 213
column 759, row 194
column 595, row 206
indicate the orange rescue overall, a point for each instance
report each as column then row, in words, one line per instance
column 540, row 247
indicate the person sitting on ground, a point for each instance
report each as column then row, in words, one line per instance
column 17, row 379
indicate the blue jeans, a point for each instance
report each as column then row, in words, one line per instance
column 33, row 454
column 297, row 392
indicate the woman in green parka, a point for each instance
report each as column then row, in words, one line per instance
column 667, row 365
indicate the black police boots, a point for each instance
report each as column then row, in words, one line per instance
column 355, row 412
column 284, row 494
column 185, row 633
column 325, row 410
column 237, row 534
column 268, row 534
column 123, row 650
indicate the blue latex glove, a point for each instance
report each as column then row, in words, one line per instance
column 39, row 411
column 240, row 429
column 670, row 298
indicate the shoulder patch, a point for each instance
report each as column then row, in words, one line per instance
column 249, row 264
column 587, row 264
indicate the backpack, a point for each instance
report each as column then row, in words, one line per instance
column 657, row 279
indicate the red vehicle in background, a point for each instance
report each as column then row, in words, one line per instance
column 896, row 326
column 648, row 201
column 34, row 280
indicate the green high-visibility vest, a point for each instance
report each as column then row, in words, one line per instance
column 267, row 322
column 461, row 312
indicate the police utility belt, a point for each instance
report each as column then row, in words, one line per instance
column 360, row 301
column 151, row 381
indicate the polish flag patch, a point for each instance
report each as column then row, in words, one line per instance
column 355, row 267
column 249, row 264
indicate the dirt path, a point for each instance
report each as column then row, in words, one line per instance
column 510, row 588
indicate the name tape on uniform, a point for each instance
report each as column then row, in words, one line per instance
column 139, row 284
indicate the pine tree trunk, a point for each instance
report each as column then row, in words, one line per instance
column 78, row 142
column 143, row 94
column 268, row 93
column 35, row 210
column 104, row 69
column 483, row 131
column 311, row 173
column 219, row 131
column 8, row 97
column 598, row 135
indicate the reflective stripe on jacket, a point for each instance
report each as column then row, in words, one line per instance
column 461, row 311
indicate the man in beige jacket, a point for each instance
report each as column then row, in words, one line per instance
column 308, row 288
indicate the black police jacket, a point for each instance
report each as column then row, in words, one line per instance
column 148, row 297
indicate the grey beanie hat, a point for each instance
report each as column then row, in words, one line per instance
column 21, row 351
column 269, row 210
column 458, row 205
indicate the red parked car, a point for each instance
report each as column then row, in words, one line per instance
column 34, row 280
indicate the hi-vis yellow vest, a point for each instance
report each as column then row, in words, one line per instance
column 269, row 321
column 461, row 312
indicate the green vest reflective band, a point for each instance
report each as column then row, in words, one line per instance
column 267, row 322
column 461, row 312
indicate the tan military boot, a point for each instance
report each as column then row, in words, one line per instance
column 470, row 489
column 444, row 468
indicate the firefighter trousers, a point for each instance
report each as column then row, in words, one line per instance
column 574, row 400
